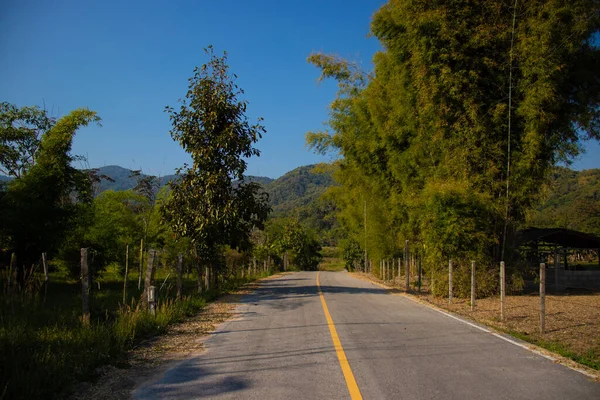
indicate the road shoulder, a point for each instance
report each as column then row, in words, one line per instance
column 482, row 325
column 155, row 356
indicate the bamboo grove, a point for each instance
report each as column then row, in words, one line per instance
column 448, row 141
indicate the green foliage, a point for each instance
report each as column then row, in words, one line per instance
column 352, row 252
column 43, row 361
column 301, row 194
column 572, row 201
column 301, row 244
column 298, row 188
column 486, row 279
column 38, row 207
column 211, row 126
column 20, row 133
column 424, row 139
column 45, row 348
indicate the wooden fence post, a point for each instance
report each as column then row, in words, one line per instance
column 149, row 279
column 179, row 276
column 502, row 289
column 141, row 264
column 542, row 297
column 206, row 278
column 11, row 269
column 126, row 273
column 450, row 288
column 388, row 269
column 472, row 285
column 85, row 287
column 46, row 278
column 45, row 265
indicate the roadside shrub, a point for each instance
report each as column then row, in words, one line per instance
column 41, row 361
column 486, row 281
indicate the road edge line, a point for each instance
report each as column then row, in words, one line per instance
column 557, row 359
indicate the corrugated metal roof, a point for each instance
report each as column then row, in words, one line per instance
column 560, row 236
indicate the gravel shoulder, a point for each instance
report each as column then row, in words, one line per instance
column 156, row 355
column 572, row 321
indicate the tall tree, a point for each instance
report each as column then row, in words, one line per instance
column 21, row 130
column 211, row 125
column 426, row 138
column 38, row 207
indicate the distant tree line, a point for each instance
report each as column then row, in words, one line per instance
column 209, row 209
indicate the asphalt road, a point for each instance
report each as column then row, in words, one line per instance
column 281, row 347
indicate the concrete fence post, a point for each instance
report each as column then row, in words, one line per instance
column 556, row 262
column 46, row 278
column 179, row 276
column 149, row 279
column 85, row 286
column 420, row 266
column 126, row 273
column 151, row 298
column 450, row 288
column 502, row 289
column 406, row 265
column 472, row 285
column 141, row 267
column 542, row 297
column 399, row 268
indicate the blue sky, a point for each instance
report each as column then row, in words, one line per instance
column 128, row 59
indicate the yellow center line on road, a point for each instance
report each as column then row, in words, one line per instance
column 339, row 350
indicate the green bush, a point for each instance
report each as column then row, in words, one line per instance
column 42, row 361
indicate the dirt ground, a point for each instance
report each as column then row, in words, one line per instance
column 572, row 318
column 154, row 356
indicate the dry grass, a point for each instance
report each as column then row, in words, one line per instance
column 572, row 319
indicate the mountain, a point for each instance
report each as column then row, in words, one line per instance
column 298, row 188
column 121, row 179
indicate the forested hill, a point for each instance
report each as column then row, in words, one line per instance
column 124, row 181
column 296, row 188
column 572, row 201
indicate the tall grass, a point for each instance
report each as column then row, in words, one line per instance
column 44, row 347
